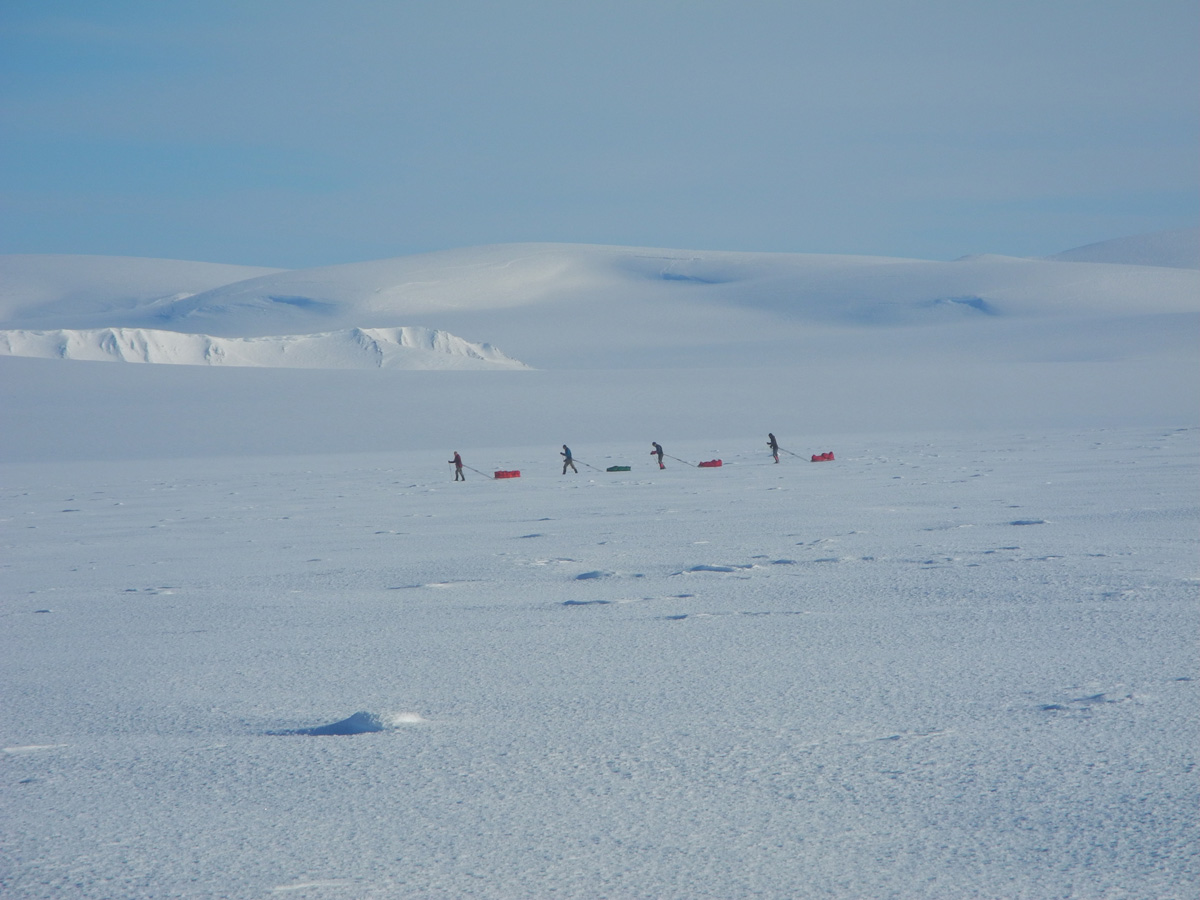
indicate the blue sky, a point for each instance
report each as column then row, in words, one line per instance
column 308, row 133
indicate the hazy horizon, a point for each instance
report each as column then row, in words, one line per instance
column 305, row 134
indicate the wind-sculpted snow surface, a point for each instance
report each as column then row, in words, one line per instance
column 947, row 667
column 356, row 348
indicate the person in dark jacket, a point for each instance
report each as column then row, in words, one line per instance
column 657, row 451
column 458, row 472
column 774, row 445
column 568, row 460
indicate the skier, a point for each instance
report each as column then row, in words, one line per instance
column 568, row 460
column 458, row 472
column 657, row 451
column 774, row 445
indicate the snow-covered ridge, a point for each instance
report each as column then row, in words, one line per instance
column 551, row 285
column 573, row 306
column 407, row 347
column 1179, row 249
column 100, row 287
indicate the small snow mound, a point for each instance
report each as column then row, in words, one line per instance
column 360, row 723
column 364, row 722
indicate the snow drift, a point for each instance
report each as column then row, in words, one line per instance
column 356, row 348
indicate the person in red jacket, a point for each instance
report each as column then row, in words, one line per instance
column 458, row 472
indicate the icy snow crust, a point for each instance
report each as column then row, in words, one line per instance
column 947, row 666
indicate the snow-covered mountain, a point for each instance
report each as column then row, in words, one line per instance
column 571, row 306
column 355, row 348
column 626, row 340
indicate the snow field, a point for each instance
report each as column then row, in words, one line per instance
column 955, row 666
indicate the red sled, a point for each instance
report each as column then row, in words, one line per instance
column 711, row 464
column 823, row 457
column 508, row 473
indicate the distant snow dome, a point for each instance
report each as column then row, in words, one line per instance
column 1169, row 249
column 410, row 348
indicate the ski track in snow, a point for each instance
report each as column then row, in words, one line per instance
column 936, row 667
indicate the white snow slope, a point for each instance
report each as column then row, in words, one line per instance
column 96, row 287
column 1176, row 249
column 256, row 642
